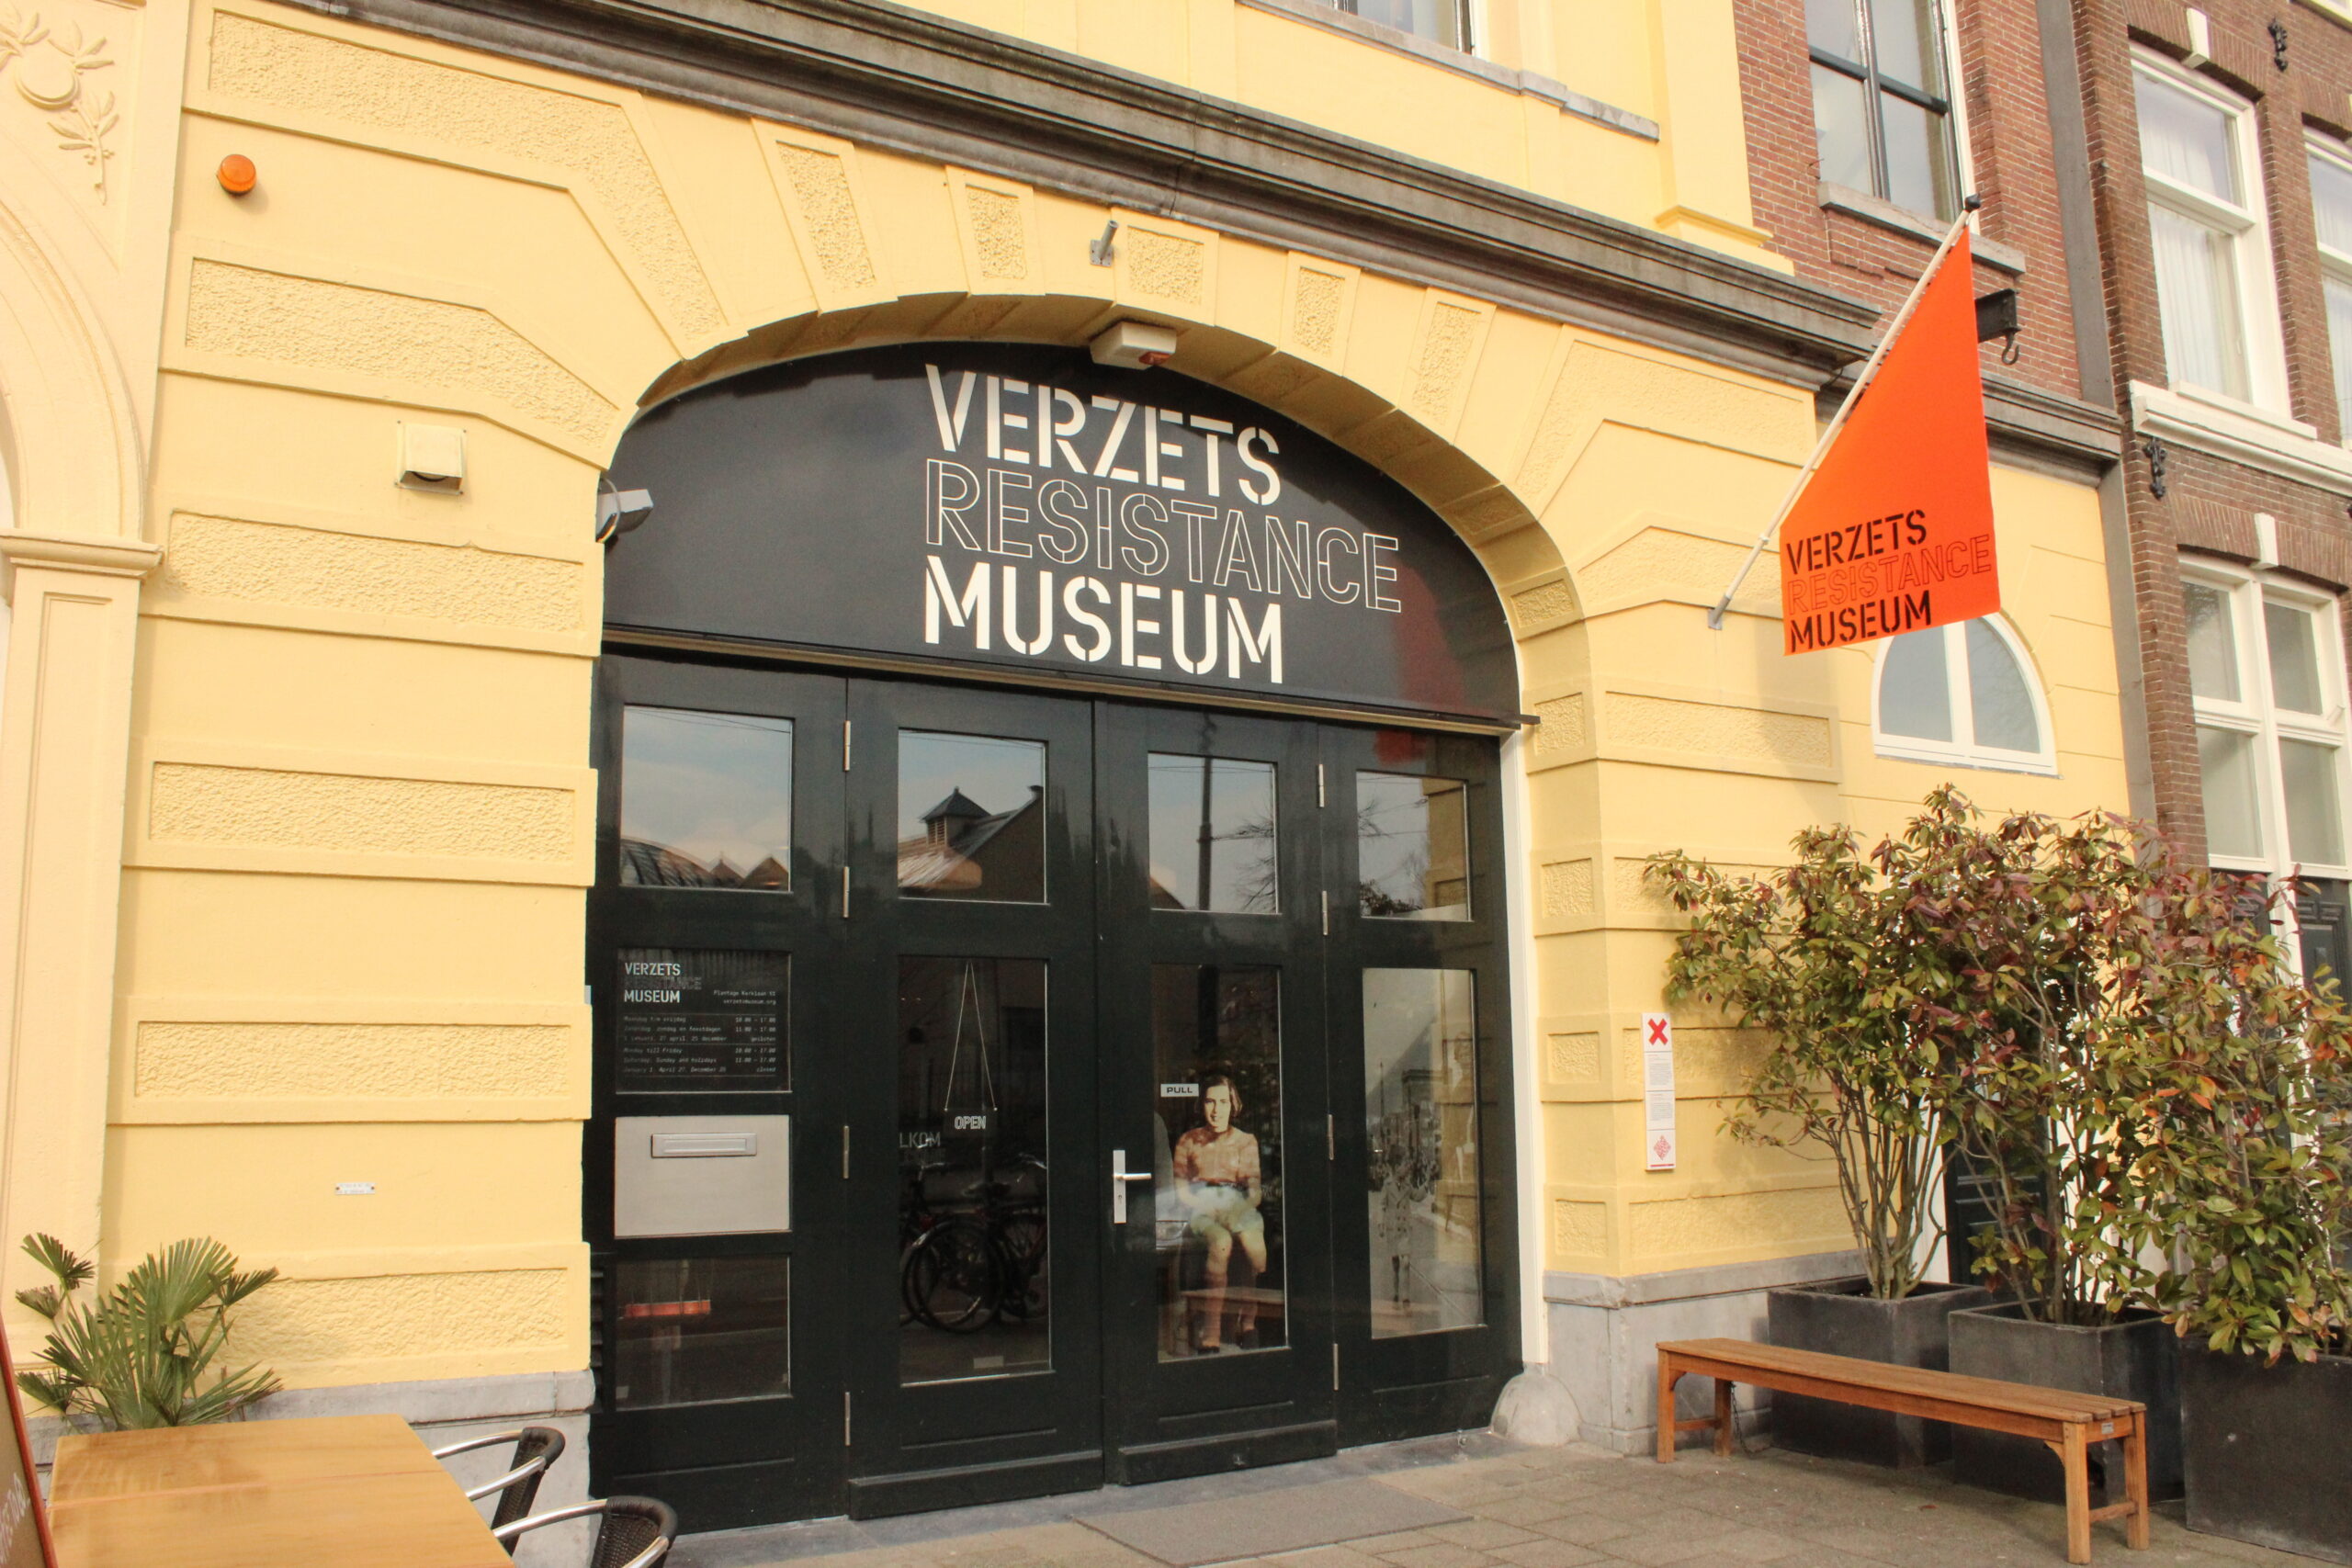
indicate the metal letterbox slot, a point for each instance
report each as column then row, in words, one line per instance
column 704, row 1146
column 701, row 1175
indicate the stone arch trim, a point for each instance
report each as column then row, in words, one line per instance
column 1523, row 563
column 68, row 430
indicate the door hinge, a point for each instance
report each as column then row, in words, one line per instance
column 846, row 738
column 1327, row 911
column 1335, row 1366
column 1331, row 1135
column 845, row 1151
column 844, row 893
column 1318, row 785
column 845, row 1410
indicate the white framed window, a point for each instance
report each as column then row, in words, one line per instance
column 1444, row 22
column 1881, row 101
column 1964, row 694
column 2265, row 673
column 2331, row 166
column 2214, row 292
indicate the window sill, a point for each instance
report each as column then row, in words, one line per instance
column 1901, row 221
column 2332, row 11
column 1527, row 83
column 1895, row 750
column 2240, row 433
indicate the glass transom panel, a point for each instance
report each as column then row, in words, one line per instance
column 706, row 800
column 1214, row 835
column 2187, row 140
column 971, row 817
column 2332, row 203
column 1412, row 847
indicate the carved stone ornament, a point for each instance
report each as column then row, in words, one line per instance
column 46, row 66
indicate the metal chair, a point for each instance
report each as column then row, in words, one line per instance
column 636, row 1531
column 535, row 1450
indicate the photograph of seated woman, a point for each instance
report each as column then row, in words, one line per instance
column 1219, row 1181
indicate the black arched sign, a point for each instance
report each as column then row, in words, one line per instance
column 1022, row 508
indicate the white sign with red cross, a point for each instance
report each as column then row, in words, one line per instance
column 1657, row 1091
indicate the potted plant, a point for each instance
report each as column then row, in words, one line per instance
column 143, row 1353
column 2256, row 1165
column 1821, row 957
column 2069, row 947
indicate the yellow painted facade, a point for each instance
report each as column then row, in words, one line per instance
column 295, row 815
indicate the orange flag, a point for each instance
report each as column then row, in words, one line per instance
column 1894, row 532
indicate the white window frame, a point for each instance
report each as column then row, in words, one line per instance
column 1474, row 25
column 2248, row 228
column 2334, row 265
column 2256, row 714
column 1957, row 753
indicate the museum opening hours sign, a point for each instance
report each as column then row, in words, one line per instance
column 1016, row 506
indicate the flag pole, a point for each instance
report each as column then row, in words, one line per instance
column 1821, row 448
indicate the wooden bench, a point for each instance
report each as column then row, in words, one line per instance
column 2069, row 1422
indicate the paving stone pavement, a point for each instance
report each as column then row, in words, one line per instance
column 1531, row 1508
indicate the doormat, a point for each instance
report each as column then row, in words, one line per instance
column 1262, row 1524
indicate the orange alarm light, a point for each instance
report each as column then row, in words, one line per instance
column 238, row 174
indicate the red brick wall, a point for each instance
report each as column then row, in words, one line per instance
column 1998, row 84
column 2210, row 504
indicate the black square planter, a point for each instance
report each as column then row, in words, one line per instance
column 2137, row 1357
column 1839, row 1319
column 2263, row 1449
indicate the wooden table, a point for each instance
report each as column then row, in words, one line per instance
column 347, row 1491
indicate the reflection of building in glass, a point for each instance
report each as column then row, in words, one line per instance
column 655, row 865
column 1421, row 1137
column 1412, row 847
column 967, row 851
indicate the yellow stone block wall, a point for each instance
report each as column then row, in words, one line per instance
column 359, row 822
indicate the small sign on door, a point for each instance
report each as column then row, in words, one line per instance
column 1657, row 1091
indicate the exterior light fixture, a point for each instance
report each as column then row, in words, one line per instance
column 1137, row 345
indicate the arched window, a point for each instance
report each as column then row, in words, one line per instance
column 1964, row 694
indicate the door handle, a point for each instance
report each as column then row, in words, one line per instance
column 1120, row 1177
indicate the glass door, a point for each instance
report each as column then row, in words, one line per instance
column 968, row 1048
column 1418, row 1000
column 709, row 1159
column 1215, row 1118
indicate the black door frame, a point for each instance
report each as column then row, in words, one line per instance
column 1189, row 1417
column 820, row 1450
column 713, row 1460
column 917, row 1446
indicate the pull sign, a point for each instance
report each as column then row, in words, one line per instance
column 1657, row 1091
